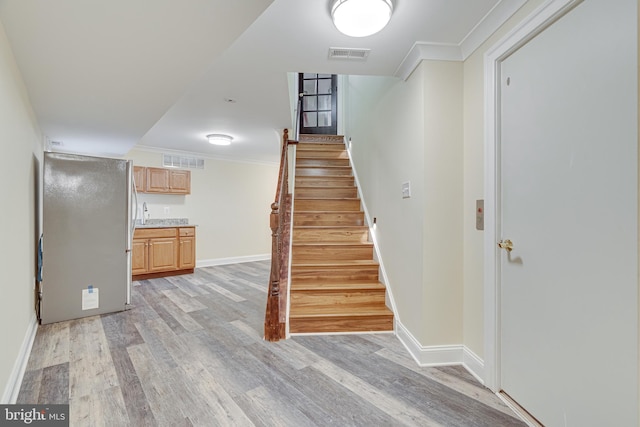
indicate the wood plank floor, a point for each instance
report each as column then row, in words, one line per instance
column 190, row 353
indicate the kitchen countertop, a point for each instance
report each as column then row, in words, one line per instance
column 164, row 223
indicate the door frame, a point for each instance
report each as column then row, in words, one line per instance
column 539, row 20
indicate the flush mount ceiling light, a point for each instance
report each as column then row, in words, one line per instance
column 219, row 139
column 361, row 18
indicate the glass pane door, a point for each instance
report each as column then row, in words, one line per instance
column 318, row 112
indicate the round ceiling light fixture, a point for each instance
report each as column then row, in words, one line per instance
column 219, row 139
column 361, row 18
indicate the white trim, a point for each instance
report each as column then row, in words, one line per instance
column 342, row 103
column 11, row 390
column 420, row 51
column 292, row 155
column 474, row 364
column 436, row 355
column 533, row 25
column 441, row 355
column 489, row 24
column 520, row 412
column 232, row 260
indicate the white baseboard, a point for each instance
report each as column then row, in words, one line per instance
column 12, row 388
column 473, row 364
column 441, row 355
column 233, row 260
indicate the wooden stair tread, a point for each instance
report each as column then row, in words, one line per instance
column 331, row 213
column 329, row 218
column 323, row 171
column 333, row 182
column 331, row 167
column 340, row 311
column 336, row 263
column 327, row 187
column 319, row 215
column 344, row 170
column 333, row 243
column 311, row 153
column 321, row 145
column 320, row 148
column 351, row 285
column 326, row 193
column 328, row 198
column 314, row 178
column 320, row 139
column 330, row 227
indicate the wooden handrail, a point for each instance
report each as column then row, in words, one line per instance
column 275, row 315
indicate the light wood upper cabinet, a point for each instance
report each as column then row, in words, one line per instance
column 179, row 181
column 140, row 178
column 165, row 181
column 157, row 180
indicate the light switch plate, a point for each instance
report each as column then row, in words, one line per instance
column 406, row 190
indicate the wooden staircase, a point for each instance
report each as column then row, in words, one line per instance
column 334, row 277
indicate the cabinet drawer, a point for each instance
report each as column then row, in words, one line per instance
column 151, row 233
column 187, row 231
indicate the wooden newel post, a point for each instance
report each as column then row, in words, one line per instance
column 274, row 325
column 272, row 320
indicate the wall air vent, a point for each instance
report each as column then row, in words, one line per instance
column 185, row 162
column 348, row 53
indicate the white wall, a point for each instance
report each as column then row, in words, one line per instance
column 20, row 142
column 429, row 130
column 412, row 131
column 387, row 135
column 229, row 202
column 443, row 170
column 473, row 154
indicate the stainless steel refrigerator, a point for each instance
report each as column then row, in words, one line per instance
column 87, row 232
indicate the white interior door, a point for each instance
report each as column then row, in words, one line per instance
column 568, row 202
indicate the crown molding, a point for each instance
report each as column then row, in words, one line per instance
column 421, row 51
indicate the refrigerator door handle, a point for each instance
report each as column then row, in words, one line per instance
column 130, row 227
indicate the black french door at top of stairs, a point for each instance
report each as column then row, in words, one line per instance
column 319, row 104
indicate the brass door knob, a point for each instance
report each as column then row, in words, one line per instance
column 506, row 244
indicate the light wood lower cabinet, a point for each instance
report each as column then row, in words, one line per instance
column 139, row 257
column 163, row 254
column 158, row 252
column 187, row 258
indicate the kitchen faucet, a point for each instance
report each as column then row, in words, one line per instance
column 144, row 213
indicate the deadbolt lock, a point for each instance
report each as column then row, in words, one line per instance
column 506, row 244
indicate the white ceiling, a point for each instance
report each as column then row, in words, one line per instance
column 103, row 76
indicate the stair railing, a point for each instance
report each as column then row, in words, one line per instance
column 275, row 316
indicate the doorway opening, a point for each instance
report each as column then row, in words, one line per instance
column 318, row 112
